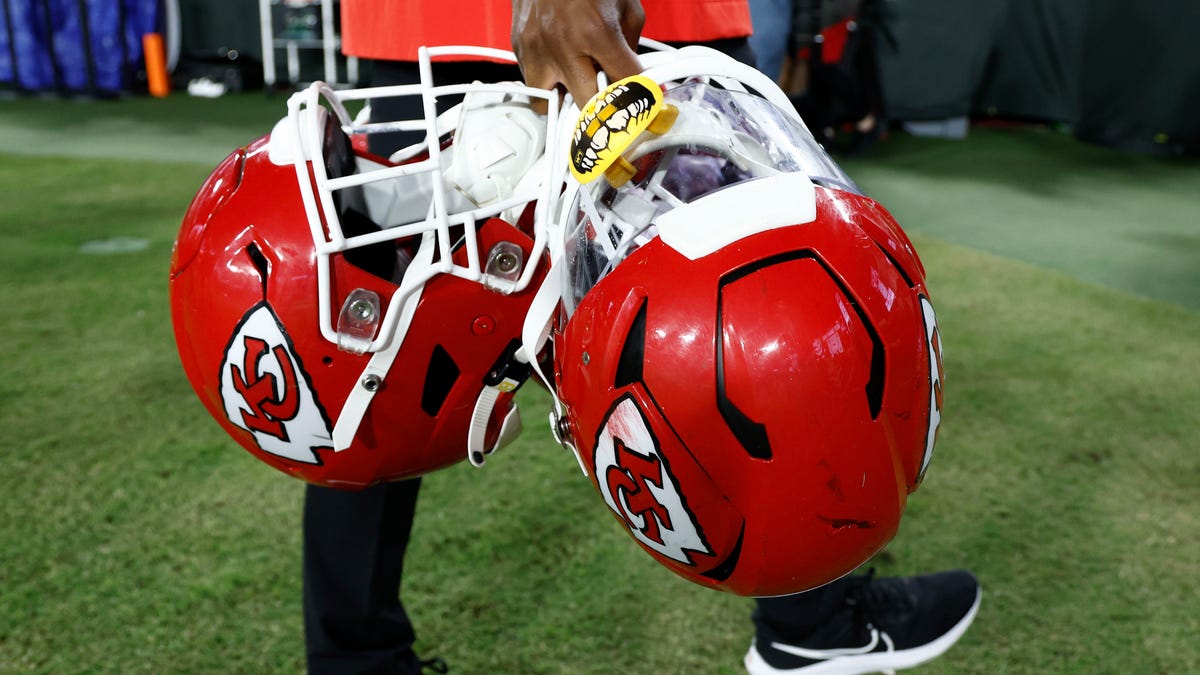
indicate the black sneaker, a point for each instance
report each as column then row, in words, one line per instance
column 885, row 625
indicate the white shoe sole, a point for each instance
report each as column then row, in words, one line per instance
column 875, row 662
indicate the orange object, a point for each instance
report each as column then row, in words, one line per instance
column 394, row 30
column 156, row 65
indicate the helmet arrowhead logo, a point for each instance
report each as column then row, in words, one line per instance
column 267, row 392
column 636, row 483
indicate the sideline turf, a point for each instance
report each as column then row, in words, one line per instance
column 174, row 129
column 1123, row 221
column 136, row 538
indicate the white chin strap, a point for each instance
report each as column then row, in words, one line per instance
column 512, row 376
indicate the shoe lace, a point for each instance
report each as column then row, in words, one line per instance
column 869, row 600
column 881, row 602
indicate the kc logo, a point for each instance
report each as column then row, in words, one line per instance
column 632, row 477
column 266, row 392
column 636, row 483
column 269, row 405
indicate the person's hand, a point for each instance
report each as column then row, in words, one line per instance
column 566, row 42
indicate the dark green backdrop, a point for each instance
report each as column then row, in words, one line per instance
column 1120, row 73
column 1124, row 74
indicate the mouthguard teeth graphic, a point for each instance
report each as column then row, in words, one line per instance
column 615, row 113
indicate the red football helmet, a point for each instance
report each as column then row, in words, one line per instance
column 348, row 319
column 746, row 358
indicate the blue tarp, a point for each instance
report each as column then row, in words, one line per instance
column 83, row 46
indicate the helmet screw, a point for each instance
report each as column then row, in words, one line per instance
column 563, row 428
column 362, row 310
column 506, row 262
column 371, row 383
column 586, row 358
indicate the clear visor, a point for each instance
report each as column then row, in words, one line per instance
column 720, row 138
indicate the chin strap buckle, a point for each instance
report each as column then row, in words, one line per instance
column 503, row 380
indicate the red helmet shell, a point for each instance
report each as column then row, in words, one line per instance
column 244, row 301
column 757, row 417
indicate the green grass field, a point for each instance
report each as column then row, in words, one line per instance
column 135, row 537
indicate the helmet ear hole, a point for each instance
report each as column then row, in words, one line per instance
column 440, row 377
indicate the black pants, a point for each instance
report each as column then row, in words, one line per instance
column 354, row 542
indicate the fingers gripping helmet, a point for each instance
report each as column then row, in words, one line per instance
column 339, row 313
column 746, row 356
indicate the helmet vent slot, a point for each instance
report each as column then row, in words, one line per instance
column 260, row 263
column 722, row 571
column 875, row 384
column 899, row 270
column 752, row 435
column 874, row 388
column 440, row 377
column 633, row 354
